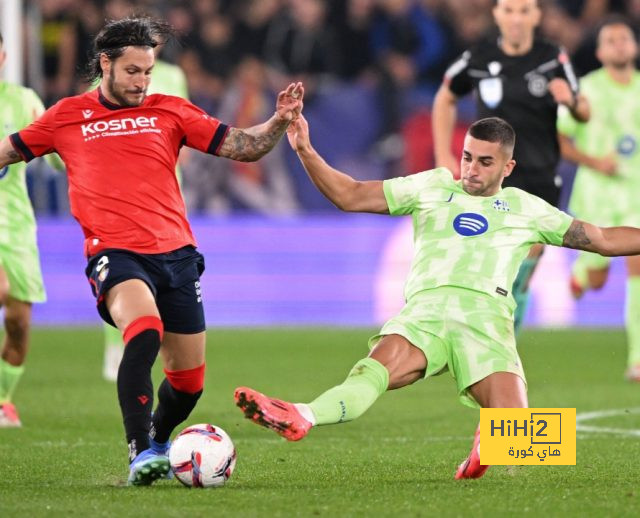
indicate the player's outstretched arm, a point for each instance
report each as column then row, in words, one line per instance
column 443, row 120
column 343, row 191
column 610, row 241
column 8, row 155
column 251, row 144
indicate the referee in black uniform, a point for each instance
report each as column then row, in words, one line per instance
column 521, row 79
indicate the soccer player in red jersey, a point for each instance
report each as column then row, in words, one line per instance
column 120, row 147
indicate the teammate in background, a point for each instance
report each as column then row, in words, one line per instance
column 120, row 147
column 20, row 277
column 470, row 237
column 607, row 185
column 168, row 79
column 521, row 79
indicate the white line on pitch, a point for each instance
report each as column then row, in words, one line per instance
column 598, row 414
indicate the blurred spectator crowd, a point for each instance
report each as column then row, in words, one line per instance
column 370, row 68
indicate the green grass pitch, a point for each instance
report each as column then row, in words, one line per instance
column 69, row 459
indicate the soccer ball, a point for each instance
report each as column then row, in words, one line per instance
column 202, row 455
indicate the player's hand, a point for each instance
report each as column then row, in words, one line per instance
column 290, row 102
column 298, row 134
column 607, row 165
column 561, row 92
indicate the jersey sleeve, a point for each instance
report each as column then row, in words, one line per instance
column 550, row 222
column 404, row 193
column 37, row 138
column 566, row 124
column 201, row 131
column 457, row 75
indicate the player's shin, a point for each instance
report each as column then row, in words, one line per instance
column 135, row 389
column 177, row 397
column 366, row 382
column 520, row 290
column 9, row 377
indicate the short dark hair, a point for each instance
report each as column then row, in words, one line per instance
column 494, row 129
column 1, row 40
column 614, row 19
column 116, row 35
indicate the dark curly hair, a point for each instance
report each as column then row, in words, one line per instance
column 128, row 32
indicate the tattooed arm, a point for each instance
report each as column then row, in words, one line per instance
column 8, row 155
column 250, row 144
column 611, row 241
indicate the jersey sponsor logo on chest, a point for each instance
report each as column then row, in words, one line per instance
column 123, row 126
column 627, row 145
column 470, row 224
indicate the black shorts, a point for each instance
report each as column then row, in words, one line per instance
column 538, row 183
column 172, row 277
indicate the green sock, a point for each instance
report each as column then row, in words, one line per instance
column 9, row 377
column 366, row 382
column 520, row 290
column 632, row 318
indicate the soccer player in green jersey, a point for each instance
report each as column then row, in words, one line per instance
column 168, row 79
column 607, row 185
column 523, row 79
column 470, row 237
column 20, row 278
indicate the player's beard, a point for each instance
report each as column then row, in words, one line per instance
column 119, row 93
column 478, row 188
column 621, row 64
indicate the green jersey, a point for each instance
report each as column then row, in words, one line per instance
column 471, row 242
column 18, row 248
column 168, row 79
column 18, row 108
column 614, row 127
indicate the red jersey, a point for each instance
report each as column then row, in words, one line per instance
column 121, row 164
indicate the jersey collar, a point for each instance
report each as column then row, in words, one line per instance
column 107, row 103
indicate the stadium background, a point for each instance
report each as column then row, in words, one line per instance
column 277, row 252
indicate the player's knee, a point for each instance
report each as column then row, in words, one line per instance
column 4, row 292
column 405, row 362
column 142, row 324
column 190, row 381
column 536, row 251
column 597, row 279
column 17, row 326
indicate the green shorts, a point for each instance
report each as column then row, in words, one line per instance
column 21, row 262
column 465, row 332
